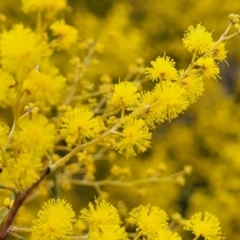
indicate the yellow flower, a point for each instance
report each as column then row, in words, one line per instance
column 55, row 221
column 197, row 39
column 149, row 220
column 208, row 227
column 4, row 131
column 35, row 5
column 194, row 86
column 79, row 124
column 7, row 89
column 109, row 232
column 125, row 93
column 104, row 214
column 173, row 97
column 208, row 67
column 21, row 50
column 24, row 170
column 165, row 234
column 46, row 87
column 66, row 34
column 35, row 134
column 219, row 53
column 135, row 137
column 162, row 68
column 148, row 108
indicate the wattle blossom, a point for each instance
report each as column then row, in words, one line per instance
column 207, row 226
column 55, row 221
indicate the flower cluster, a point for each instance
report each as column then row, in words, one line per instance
column 55, row 221
column 125, row 94
column 162, row 69
column 79, row 124
column 103, row 221
column 197, row 39
column 66, row 35
column 60, row 118
column 44, row 87
column 35, row 134
column 135, row 137
column 24, row 170
column 29, row 49
column 208, row 226
column 149, row 220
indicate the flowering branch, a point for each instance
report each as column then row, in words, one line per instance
column 18, row 200
column 127, row 184
column 14, row 190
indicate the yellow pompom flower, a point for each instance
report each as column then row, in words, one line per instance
column 208, row 67
column 35, row 134
column 219, row 53
column 125, row 94
column 79, row 124
column 7, row 90
column 4, row 131
column 135, row 137
column 148, row 108
column 21, row 50
column 101, row 215
column 165, row 234
column 55, row 221
column 45, row 87
column 208, row 226
column 66, row 34
column 40, row 5
column 162, row 69
column 193, row 84
column 173, row 97
column 149, row 220
column 24, row 170
column 109, row 232
column 197, row 39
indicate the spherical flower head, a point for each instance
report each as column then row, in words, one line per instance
column 208, row 67
column 66, row 35
column 149, row 220
column 148, row 108
column 109, row 232
column 7, row 90
column 79, row 124
column 193, row 84
column 135, row 137
column 208, row 227
column 162, row 69
column 100, row 215
column 219, row 53
column 24, row 170
column 40, row 5
column 22, row 49
column 55, row 221
column 125, row 94
column 173, row 97
column 45, row 87
column 4, row 131
column 35, row 134
column 197, row 39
